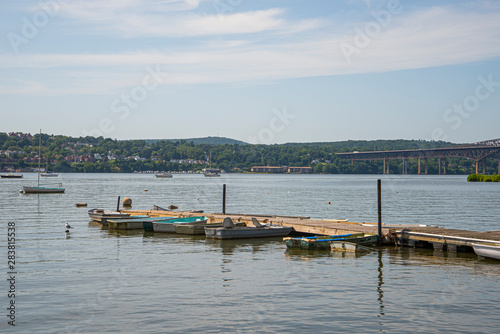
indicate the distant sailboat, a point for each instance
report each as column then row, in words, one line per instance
column 39, row 189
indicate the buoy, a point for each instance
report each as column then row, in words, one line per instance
column 329, row 203
column 127, row 201
column 79, row 204
column 173, row 207
column 145, row 190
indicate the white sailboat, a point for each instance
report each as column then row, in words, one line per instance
column 42, row 189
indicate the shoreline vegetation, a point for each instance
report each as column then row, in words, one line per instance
column 63, row 154
column 483, row 178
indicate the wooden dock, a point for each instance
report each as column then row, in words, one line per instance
column 405, row 235
column 443, row 239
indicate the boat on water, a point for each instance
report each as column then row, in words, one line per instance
column 194, row 229
column 164, row 175
column 324, row 242
column 11, row 176
column 211, row 172
column 491, row 251
column 100, row 215
column 230, row 231
column 345, row 246
column 42, row 189
column 49, row 174
column 168, row 226
column 135, row 223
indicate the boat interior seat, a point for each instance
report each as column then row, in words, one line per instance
column 227, row 222
column 256, row 222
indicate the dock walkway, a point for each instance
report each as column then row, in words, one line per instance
column 404, row 235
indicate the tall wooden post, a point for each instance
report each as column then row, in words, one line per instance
column 379, row 200
column 118, row 204
column 419, row 170
column 383, row 168
column 224, row 199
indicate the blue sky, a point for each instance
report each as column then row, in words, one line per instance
column 259, row 71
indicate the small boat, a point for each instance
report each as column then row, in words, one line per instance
column 194, row 229
column 491, row 251
column 231, row 231
column 11, row 176
column 211, row 172
column 323, row 242
column 345, row 246
column 41, row 189
column 164, row 175
column 135, row 222
column 98, row 215
column 49, row 174
column 168, row 226
column 47, row 189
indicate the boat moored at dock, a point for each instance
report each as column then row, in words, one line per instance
column 168, row 226
column 491, row 251
column 231, row 231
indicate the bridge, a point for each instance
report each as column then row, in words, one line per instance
column 480, row 151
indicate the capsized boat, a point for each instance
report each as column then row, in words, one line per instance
column 323, row 242
column 231, row 231
column 168, row 226
column 491, row 251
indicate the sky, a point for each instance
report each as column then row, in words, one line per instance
column 263, row 72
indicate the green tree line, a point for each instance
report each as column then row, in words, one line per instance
column 157, row 155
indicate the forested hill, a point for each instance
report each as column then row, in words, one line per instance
column 90, row 154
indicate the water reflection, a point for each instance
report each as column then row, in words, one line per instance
column 379, row 286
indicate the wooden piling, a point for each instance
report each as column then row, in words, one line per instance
column 118, row 204
column 224, row 199
column 379, row 200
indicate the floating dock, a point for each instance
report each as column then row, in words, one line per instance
column 401, row 235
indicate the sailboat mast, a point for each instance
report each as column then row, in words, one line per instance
column 39, row 153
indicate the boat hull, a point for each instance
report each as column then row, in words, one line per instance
column 42, row 190
column 489, row 251
column 247, row 232
column 101, row 216
column 194, row 229
column 324, row 243
column 168, row 226
column 344, row 246
column 11, row 176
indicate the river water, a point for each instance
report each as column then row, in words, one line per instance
column 93, row 280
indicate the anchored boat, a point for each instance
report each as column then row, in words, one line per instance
column 231, row 231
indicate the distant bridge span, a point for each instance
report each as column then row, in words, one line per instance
column 480, row 151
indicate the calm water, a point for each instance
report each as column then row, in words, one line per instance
column 97, row 281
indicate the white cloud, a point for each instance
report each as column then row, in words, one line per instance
column 433, row 37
